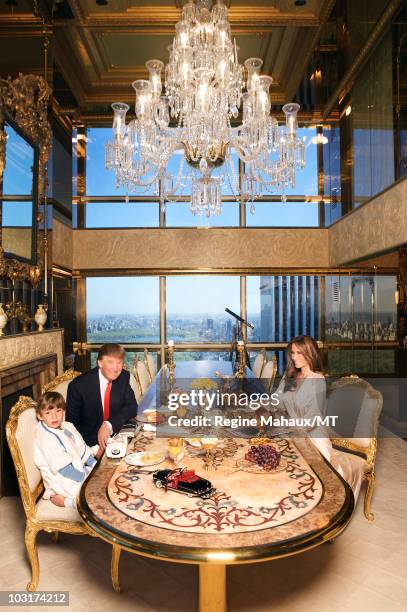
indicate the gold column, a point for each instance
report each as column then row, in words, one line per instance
column 212, row 588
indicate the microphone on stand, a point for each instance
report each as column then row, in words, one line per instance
column 251, row 325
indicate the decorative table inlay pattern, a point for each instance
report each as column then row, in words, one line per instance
column 243, row 501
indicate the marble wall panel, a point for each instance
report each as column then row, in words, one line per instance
column 379, row 225
column 62, row 244
column 199, row 248
column 17, row 241
column 22, row 348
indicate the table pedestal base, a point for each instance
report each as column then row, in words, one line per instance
column 212, row 588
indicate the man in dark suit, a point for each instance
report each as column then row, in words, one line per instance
column 101, row 401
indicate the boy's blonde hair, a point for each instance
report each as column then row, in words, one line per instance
column 51, row 399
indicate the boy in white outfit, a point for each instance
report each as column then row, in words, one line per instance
column 60, row 452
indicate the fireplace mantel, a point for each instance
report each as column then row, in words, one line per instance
column 27, row 363
column 21, row 348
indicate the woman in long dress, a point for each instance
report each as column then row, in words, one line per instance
column 302, row 393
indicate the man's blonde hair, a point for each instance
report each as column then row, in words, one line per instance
column 112, row 350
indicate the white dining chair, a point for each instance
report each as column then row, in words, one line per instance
column 268, row 374
column 150, row 365
column 141, row 375
column 259, row 363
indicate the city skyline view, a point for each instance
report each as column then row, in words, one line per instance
column 280, row 307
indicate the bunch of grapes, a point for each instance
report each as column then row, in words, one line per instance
column 266, row 456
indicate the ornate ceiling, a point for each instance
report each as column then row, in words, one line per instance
column 100, row 50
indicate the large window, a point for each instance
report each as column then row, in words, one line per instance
column 107, row 206
column 282, row 307
column 282, row 214
column 359, row 311
column 332, row 174
column 18, row 171
column 122, row 214
column 307, row 178
column 17, row 200
column 179, row 215
column 99, row 182
column 123, row 309
column 372, row 122
column 196, row 308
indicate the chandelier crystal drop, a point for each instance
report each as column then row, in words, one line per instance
column 196, row 120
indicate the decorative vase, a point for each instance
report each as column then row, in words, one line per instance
column 40, row 317
column 3, row 319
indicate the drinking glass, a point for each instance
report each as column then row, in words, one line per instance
column 176, row 449
column 209, row 444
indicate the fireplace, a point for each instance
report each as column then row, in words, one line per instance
column 9, row 484
column 23, row 377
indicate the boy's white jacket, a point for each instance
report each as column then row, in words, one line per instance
column 54, row 449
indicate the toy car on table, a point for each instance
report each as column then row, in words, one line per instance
column 184, row 481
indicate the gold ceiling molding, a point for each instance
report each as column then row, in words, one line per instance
column 85, row 117
column 19, row 19
column 125, row 94
column 160, row 16
column 18, row 33
column 86, row 63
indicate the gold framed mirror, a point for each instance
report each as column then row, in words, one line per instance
column 25, row 139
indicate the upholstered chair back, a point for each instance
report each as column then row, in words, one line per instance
column 60, row 383
column 259, row 364
column 150, row 365
column 268, row 374
column 136, row 387
column 358, row 406
column 141, row 375
column 20, row 430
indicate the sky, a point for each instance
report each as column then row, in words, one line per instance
column 100, row 182
column 184, row 295
column 210, row 295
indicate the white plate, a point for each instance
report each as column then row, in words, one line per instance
column 144, row 458
column 196, row 442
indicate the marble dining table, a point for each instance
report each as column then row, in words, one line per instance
column 252, row 515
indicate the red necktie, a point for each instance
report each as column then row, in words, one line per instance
column 106, row 402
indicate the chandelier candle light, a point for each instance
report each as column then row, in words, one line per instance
column 206, row 92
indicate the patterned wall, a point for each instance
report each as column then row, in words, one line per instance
column 379, row 225
column 199, row 248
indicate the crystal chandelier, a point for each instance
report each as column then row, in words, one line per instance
column 205, row 87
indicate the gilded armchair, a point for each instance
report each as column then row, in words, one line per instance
column 60, row 383
column 359, row 405
column 41, row 515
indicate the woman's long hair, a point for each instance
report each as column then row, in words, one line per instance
column 310, row 351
